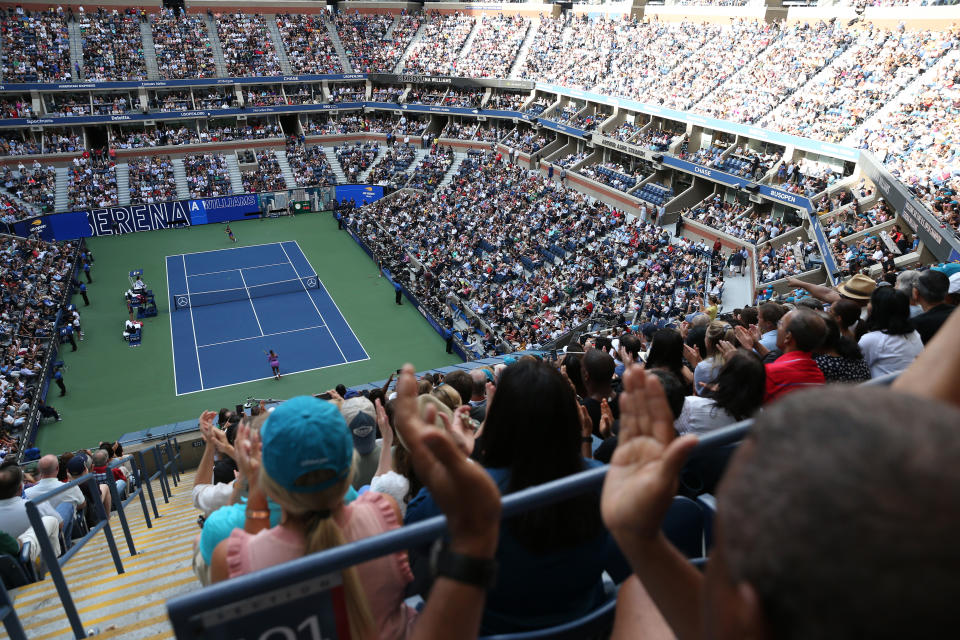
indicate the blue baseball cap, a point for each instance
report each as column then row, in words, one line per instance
column 302, row 435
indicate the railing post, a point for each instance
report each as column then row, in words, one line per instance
column 10, row 620
column 171, row 463
column 148, row 481
column 164, row 487
column 138, row 474
column 118, row 500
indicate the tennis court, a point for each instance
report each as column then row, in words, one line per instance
column 229, row 307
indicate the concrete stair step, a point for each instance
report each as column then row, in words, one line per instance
column 62, row 199
column 180, row 175
column 274, row 31
column 216, row 47
column 130, row 605
column 123, row 183
column 236, row 180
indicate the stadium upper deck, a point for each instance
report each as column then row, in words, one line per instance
column 860, row 80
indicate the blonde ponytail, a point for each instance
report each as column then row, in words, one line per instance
column 324, row 533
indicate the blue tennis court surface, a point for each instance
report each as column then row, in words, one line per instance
column 229, row 307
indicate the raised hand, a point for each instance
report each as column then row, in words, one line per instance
column 745, row 337
column 644, row 469
column 248, row 450
column 206, row 424
column 606, row 419
column 383, row 423
column 462, row 489
column 691, row 355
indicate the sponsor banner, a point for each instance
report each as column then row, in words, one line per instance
column 224, row 208
column 826, row 148
column 792, row 199
column 141, row 217
column 626, row 147
column 360, row 193
column 771, row 193
column 37, row 226
column 939, row 241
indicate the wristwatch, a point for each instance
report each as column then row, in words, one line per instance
column 477, row 572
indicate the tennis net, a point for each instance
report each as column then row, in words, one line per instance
column 220, row 296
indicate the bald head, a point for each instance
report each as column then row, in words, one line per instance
column 479, row 379
column 801, row 330
column 48, row 466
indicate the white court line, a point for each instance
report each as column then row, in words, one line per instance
column 312, row 301
column 291, row 373
column 173, row 355
column 246, row 246
column 193, row 323
column 331, row 300
column 262, row 335
column 255, row 316
column 259, row 266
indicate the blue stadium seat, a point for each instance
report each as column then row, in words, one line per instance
column 596, row 623
column 684, row 526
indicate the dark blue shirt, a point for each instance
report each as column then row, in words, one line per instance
column 537, row 590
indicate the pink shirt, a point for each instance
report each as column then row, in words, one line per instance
column 383, row 579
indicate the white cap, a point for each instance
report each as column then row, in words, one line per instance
column 954, row 283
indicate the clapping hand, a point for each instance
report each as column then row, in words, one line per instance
column 606, row 419
column 644, row 470
column 692, row 355
column 248, row 453
column 206, row 424
column 462, row 489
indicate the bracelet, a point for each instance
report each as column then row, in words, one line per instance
column 255, row 514
column 587, row 439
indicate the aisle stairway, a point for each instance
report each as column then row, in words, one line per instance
column 76, row 50
column 216, row 47
column 180, row 176
column 338, row 171
column 338, row 46
column 277, row 40
column 131, row 605
column 286, row 170
column 61, row 197
column 123, row 183
column 233, row 167
column 149, row 51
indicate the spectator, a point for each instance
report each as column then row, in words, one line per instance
column 551, row 559
column 890, row 343
column 736, row 395
column 361, row 418
column 13, row 512
column 799, row 333
column 781, row 515
column 929, row 292
column 839, row 357
column 67, row 503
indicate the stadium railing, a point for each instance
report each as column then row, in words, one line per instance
column 11, row 622
column 121, row 502
column 295, row 592
column 54, row 564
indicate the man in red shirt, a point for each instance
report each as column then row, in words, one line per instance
column 799, row 332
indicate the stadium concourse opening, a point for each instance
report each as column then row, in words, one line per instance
column 275, row 302
column 140, row 382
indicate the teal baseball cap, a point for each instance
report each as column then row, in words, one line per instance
column 302, row 435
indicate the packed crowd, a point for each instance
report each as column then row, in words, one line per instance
column 493, row 238
column 438, row 50
column 92, row 180
column 430, row 172
column 35, row 45
column 391, row 170
column 739, row 220
column 182, row 45
column 207, row 175
column 151, row 180
column 35, row 278
column 247, row 46
column 365, row 40
column 309, row 164
column 494, row 48
column 120, row 139
column 267, row 176
column 112, row 45
column 356, row 158
column 308, row 44
column 35, row 185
